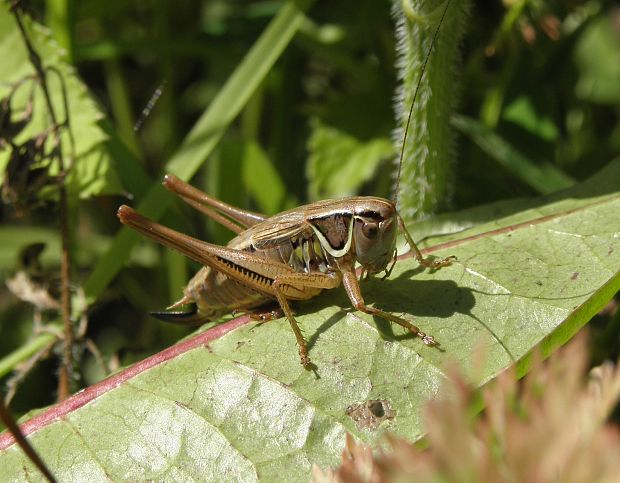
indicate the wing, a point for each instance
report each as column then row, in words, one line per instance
column 330, row 220
column 278, row 230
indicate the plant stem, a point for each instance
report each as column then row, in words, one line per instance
column 425, row 184
column 65, row 373
column 10, row 361
column 23, row 443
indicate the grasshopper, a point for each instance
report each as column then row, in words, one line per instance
column 293, row 255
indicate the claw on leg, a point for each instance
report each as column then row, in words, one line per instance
column 260, row 316
column 351, row 286
column 438, row 263
column 425, row 262
column 305, row 358
column 266, row 316
column 301, row 342
column 428, row 340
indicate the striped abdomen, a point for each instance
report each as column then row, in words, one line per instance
column 216, row 294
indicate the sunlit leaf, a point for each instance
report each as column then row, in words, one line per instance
column 339, row 163
column 91, row 173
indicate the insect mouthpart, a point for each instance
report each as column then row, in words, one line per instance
column 375, row 242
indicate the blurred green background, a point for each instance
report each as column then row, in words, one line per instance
column 539, row 110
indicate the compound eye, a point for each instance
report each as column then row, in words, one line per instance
column 370, row 230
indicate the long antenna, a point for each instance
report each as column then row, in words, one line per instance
column 415, row 95
column 150, row 105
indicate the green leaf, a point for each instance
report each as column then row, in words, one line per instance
column 261, row 179
column 91, row 173
column 234, row 402
column 523, row 113
column 339, row 163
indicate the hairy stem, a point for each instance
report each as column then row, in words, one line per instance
column 426, row 175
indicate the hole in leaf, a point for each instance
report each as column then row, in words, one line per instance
column 370, row 414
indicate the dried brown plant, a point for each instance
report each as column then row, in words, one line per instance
column 550, row 426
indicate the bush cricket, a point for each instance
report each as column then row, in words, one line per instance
column 293, row 255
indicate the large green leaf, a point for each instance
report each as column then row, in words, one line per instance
column 233, row 402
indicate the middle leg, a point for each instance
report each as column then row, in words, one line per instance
column 302, row 280
column 352, row 287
